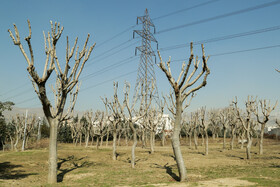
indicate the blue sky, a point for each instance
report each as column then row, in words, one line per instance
column 237, row 74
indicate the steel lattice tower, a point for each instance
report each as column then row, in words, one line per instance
column 146, row 74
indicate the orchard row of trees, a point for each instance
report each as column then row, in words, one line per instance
column 127, row 118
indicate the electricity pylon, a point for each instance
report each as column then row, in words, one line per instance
column 146, row 74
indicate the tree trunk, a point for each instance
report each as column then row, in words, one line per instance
column 143, row 139
column 24, row 132
column 114, row 145
column 107, row 138
column 232, row 138
column 101, row 141
column 97, row 141
column 119, row 138
column 52, row 176
column 87, row 139
column 39, row 132
column 176, row 141
column 12, row 143
column 202, row 137
column 190, row 140
column 224, row 141
column 81, row 137
column 248, row 148
column 206, row 143
column 133, row 149
column 163, row 137
column 261, row 140
column 195, row 139
column 152, row 141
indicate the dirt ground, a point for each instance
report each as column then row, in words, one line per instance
column 80, row 166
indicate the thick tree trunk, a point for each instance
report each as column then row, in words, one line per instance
column 107, row 138
column 87, row 139
column 261, row 140
column 195, row 139
column 119, row 138
column 224, row 141
column 114, row 145
column 206, row 143
column 152, row 142
column 143, row 139
column 133, row 149
column 101, row 141
column 163, row 138
column 202, row 137
column 232, row 138
column 52, row 176
column 97, row 141
column 176, row 141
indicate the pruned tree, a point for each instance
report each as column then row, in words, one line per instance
column 246, row 121
column 65, row 83
column 182, row 89
column 115, row 118
column 134, row 115
column 204, row 125
column 194, row 125
column 154, row 121
column 266, row 109
column 233, row 124
column 214, row 122
column 224, row 116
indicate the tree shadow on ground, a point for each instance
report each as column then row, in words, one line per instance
column 72, row 164
column 168, row 169
column 9, row 171
column 234, row 156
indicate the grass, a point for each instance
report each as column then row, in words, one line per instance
column 79, row 166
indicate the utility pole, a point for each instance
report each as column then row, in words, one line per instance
column 146, row 74
column 146, row 79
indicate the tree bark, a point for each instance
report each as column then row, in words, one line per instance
column 114, row 145
column 176, row 141
column 261, row 140
column 52, row 175
column 206, row 143
column 152, row 142
column 224, row 140
column 133, row 149
column 195, row 139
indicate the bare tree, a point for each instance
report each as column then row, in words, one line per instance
column 180, row 87
column 204, row 125
column 247, row 121
column 135, row 115
column 266, row 109
column 154, row 121
column 65, row 83
column 233, row 126
column 224, row 116
column 116, row 117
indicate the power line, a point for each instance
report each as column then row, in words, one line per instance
column 117, row 64
column 115, row 36
column 98, row 84
column 222, row 16
column 218, row 54
column 234, row 52
column 248, row 33
column 185, row 9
